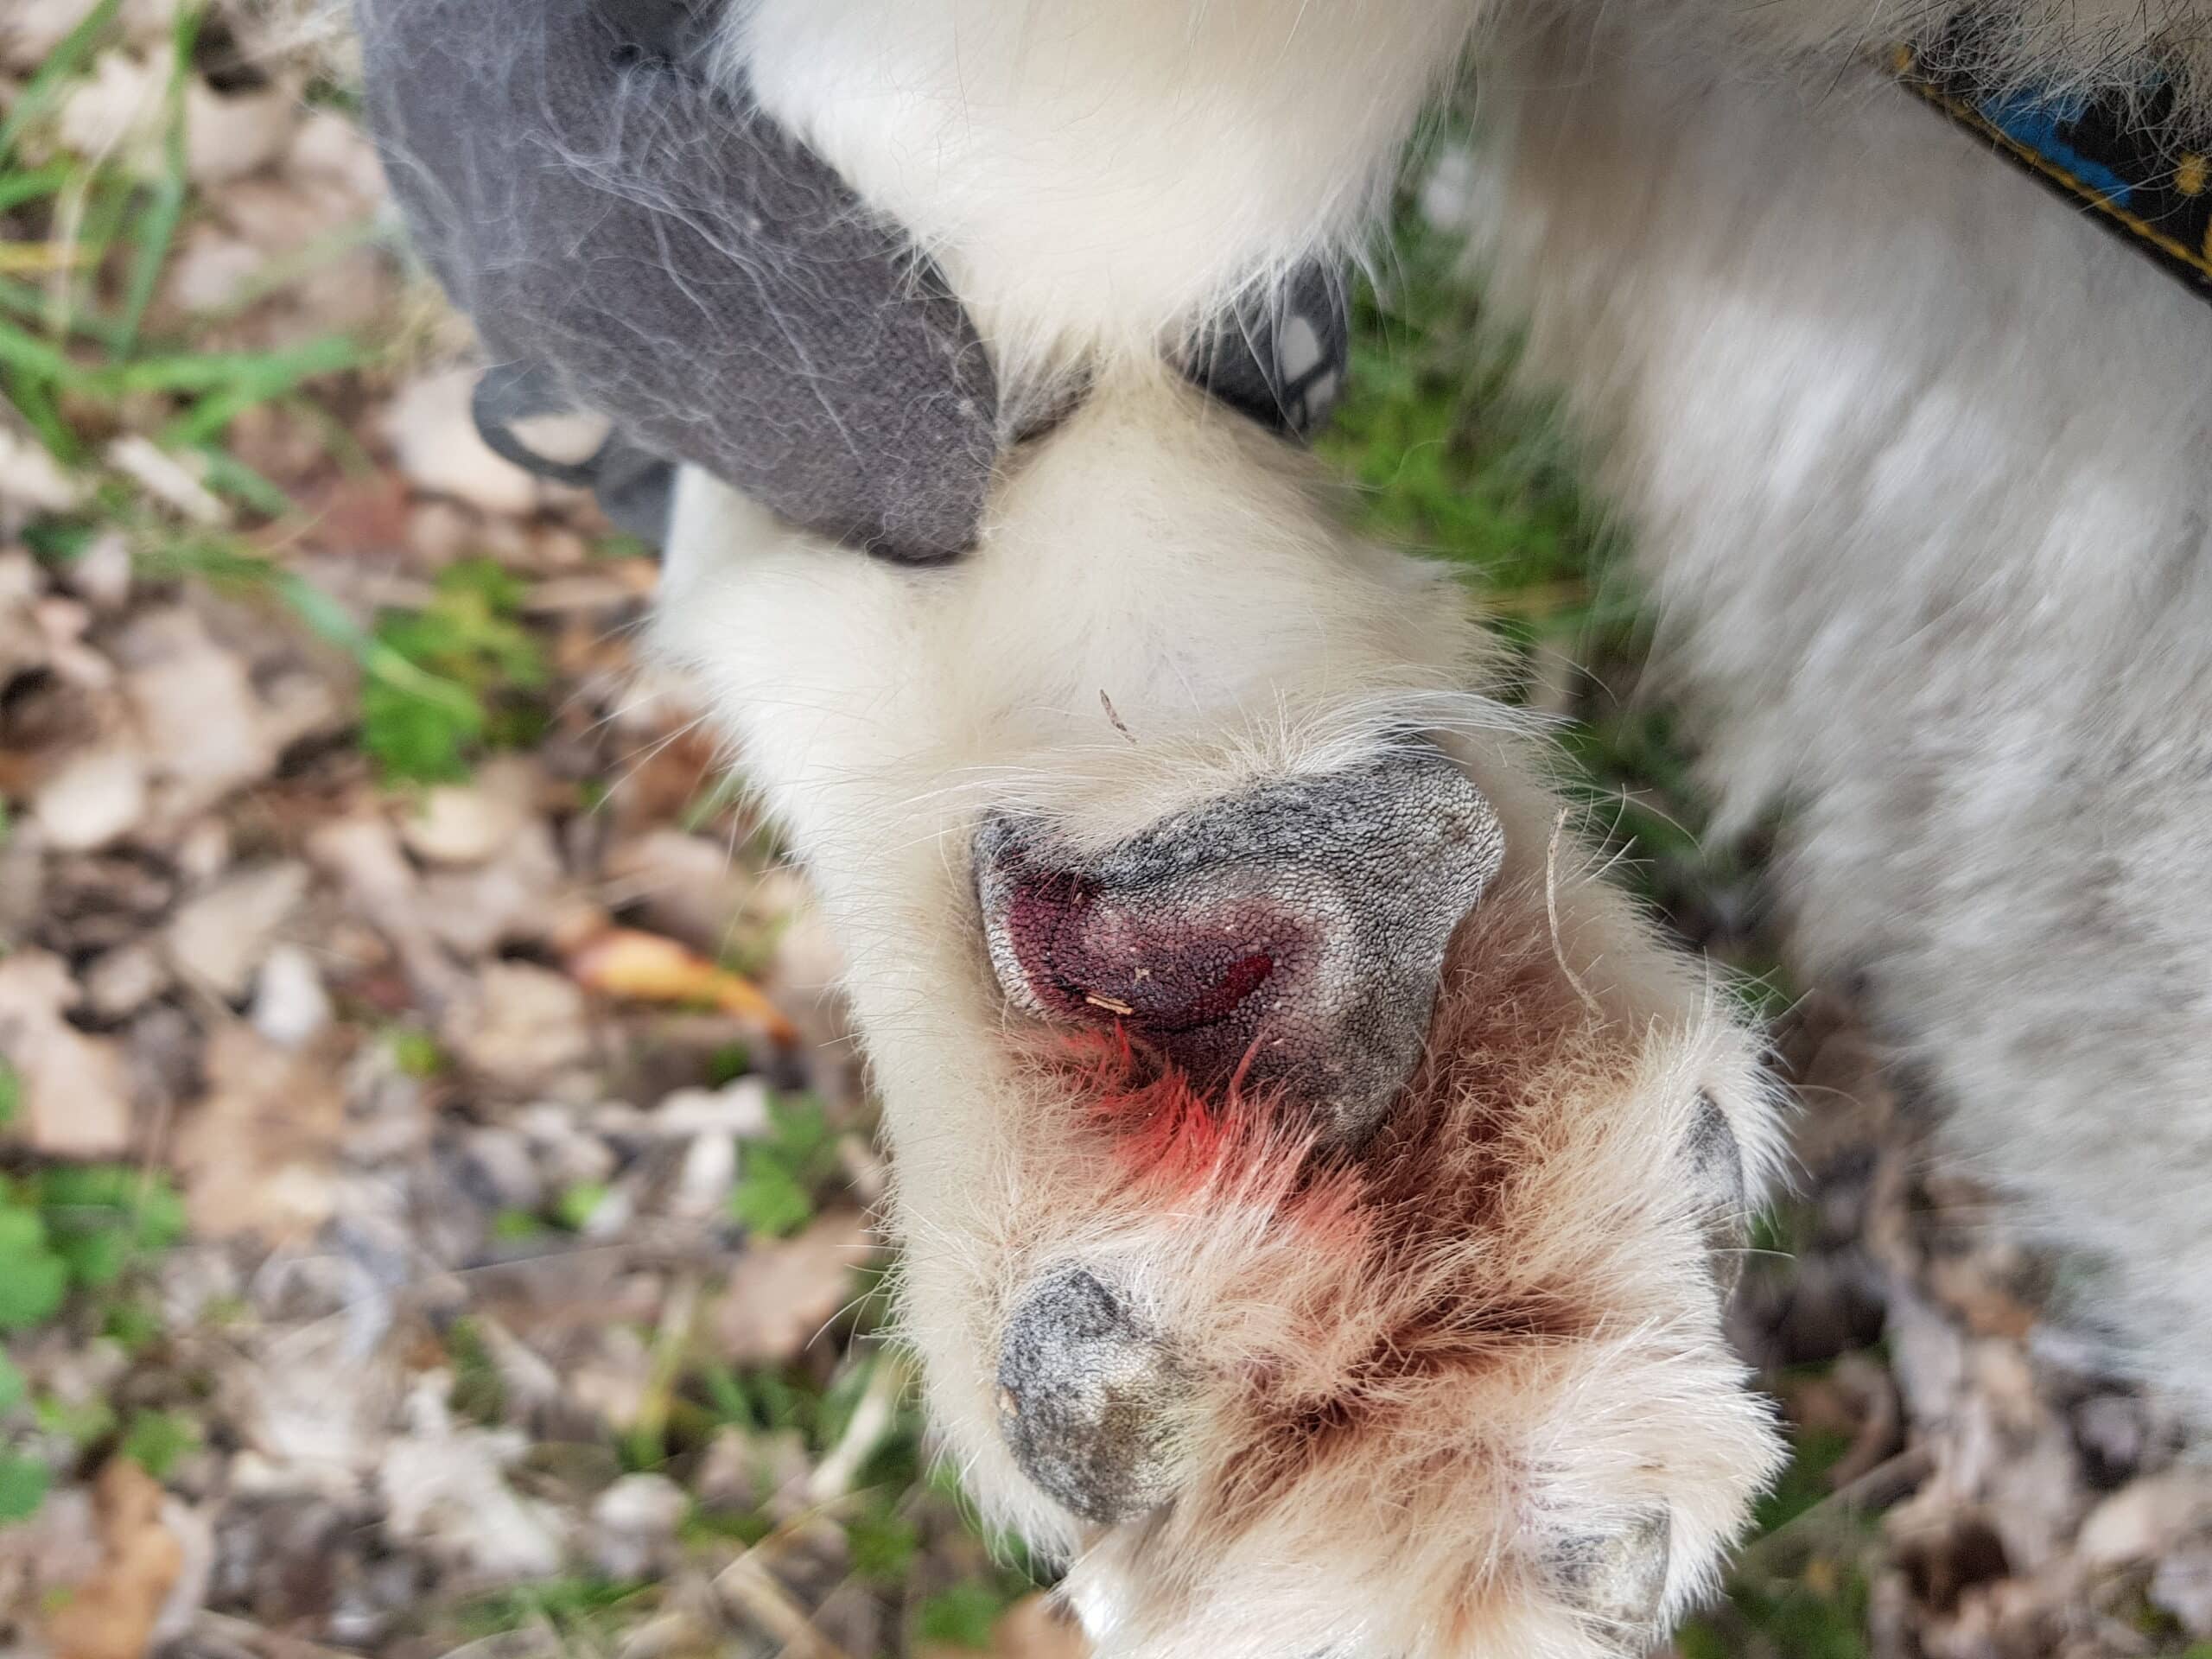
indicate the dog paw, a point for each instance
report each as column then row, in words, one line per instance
column 1364, row 1292
column 1317, row 1189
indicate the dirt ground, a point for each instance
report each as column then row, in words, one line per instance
column 434, row 1173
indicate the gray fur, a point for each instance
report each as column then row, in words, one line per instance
column 1352, row 882
column 1088, row 1398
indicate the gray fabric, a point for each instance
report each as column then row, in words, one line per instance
column 636, row 488
column 679, row 264
column 634, row 243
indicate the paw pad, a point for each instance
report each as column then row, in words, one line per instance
column 1291, row 934
column 1089, row 1398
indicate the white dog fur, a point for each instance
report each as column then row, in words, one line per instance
column 1916, row 462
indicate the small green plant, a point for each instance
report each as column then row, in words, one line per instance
column 132, row 1323
column 415, row 1051
column 575, row 1207
column 77, row 1228
column 105, row 1218
column 963, row 1615
column 883, row 1544
column 728, row 1064
column 512, row 1226
column 482, row 668
column 783, row 1172
column 23, row 1484
column 83, row 1423
column 574, row 1607
column 158, row 1440
column 82, row 1232
column 33, row 1278
column 479, row 1392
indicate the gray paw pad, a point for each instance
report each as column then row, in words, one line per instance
column 1715, row 1173
column 1088, row 1399
column 1617, row 1579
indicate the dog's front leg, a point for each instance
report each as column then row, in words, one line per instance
column 1312, row 1181
column 1098, row 179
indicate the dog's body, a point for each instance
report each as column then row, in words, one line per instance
column 1289, row 1366
column 1915, row 458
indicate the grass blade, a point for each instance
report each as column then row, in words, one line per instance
column 158, row 222
column 37, row 184
column 26, row 354
column 44, row 88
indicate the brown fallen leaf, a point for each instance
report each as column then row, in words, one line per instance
column 781, row 1293
column 641, row 967
column 76, row 1090
column 111, row 1615
column 256, row 1151
column 1032, row 1628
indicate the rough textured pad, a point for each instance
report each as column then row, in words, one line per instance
column 1618, row 1580
column 1716, row 1175
column 1087, row 1399
column 1294, row 931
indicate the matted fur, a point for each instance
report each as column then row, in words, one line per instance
column 1435, row 1361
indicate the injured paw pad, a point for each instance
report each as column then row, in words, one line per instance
column 1287, row 939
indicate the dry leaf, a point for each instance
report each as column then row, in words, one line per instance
column 111, row 1615
column 219, row 938
column 256, row 1153
column 646, row 967
column 435, row 441
column 201, row 725
column 470, row 823
column 781, row 1293
column 76, row 1098
column 524, row 1025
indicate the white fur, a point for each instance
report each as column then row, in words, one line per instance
column 1915, row 456
column 1918, row 467
column 1105, row 176
column 1159, row 552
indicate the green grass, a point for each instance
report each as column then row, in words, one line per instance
column 783, row 1174
column 74, row 1242
column 482, row 666
column 78, row 364
column 573, row 1608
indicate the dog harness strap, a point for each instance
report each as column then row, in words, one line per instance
column 2113, row 150
column 1283, row 357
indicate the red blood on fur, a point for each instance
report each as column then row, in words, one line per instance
column 1174, row 1140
